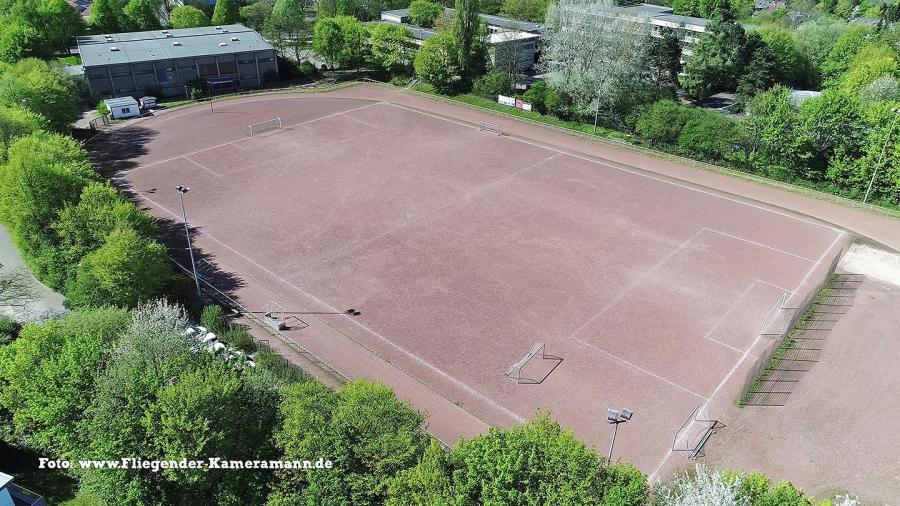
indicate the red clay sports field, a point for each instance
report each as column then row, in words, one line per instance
column 462, row 248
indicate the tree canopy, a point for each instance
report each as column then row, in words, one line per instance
column 187, row 16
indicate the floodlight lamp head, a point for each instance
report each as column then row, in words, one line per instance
column 626, row 414
column 612, row 416
column 183, row 189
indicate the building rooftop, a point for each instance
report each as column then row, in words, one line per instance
column 121, row 101
column 155, row 45
column 512, row 24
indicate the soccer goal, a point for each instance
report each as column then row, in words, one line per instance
column 484, row 126
column 265, row 126
column 274, row 315
column 538, row 349
column 693, row 434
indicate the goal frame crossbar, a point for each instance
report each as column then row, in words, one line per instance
column 538, row 349
column 484, row 126
column 693, row 434
column 264, row 126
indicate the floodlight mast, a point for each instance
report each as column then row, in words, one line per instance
column 615, row 417
column 181, row 191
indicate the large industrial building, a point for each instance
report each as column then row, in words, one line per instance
column 164, row 62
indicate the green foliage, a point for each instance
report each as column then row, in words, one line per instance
column 227, row 12
column 789, row 63
column 662, row 122
column 17, row 121
column 533, row 464
column 17, row 39
column 42, row 88
column 533, row 11
column 363, row 428
column 664, row 61
column 158, row 397
column 470, row 50
column 707, row 135
column 870, row 63
column 47, row 377
column 844, row 50
column 187, row 16
column 213, row 318
column 758, row 69
column 536, row 96
column 423, row 12
column 9, row 330
column 287, row 27
column 328, row 40
column 84, row 227
column 815, row 40
column 256, row 13
column 126, row 270
column 391, row 48
column 492, row 84
column 716, row 62
column 44, row 173
column 107, row 16
column 363, row 10
column 142, row 14
column 436, row 63
column 766, row 139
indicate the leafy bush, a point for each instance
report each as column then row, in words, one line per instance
column 8, row 329
column 661, row 123
column 436, row 62
column 423, row 12
column 492, row 84
column 43, row 88
column 213, row 318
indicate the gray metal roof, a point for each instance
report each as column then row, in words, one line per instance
column 121, row 101
column 491, row 20
column 133, row 47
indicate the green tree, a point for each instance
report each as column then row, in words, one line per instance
column 126, row 270
column 423, row 12
column 664, row 61
column 107, row 16
column 354, row 42
column 789, row 63
column 186, row 16
column 759, row 68
column 661, row 123
column 328, row 40
column 57, row 23
column 85, row 227
column 844, row 50
column 686, row 7
column 227, row 12
column 707, row 135
column 467, row 33
column 256, row 13
column 143, row 14
column 288, row 28
column 17, row 39
column 815, row 39
column 391, row 48
column 159, row 397
column 436, row 62
column 44, row 173
column 47, row 377
column 533, row 11
column 830, row 125
column 716, row 62
column 42, row 88
column 363, row 428
column 17, row 121
column 766, row 138
column 872, row 62
column 427, row 484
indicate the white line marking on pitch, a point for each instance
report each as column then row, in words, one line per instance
column 512, row 414
column 635, row 366
column 637, row 173
column 188, row 158
column 761, row 245
column 725, row 315
column 746, row 353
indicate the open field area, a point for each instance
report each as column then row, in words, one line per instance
column 462, row 248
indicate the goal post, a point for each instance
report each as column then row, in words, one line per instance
column 484, row 126
column 515, row 371
column 693, row 434
column 264, row 126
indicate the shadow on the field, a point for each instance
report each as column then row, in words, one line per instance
column 212, row 277
column 115, row 152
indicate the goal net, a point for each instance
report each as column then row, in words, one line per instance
column 484, row 126
column 693, row 434
column 515, row 371
column 265, row 126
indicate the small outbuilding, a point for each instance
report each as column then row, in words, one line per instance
column 122, row 107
